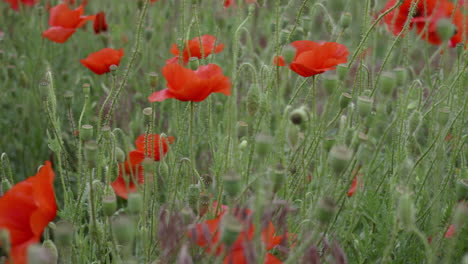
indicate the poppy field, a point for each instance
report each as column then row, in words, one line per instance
column 233, row 131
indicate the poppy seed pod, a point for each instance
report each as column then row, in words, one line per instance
column 462, row 188
column 52, row 249
column 339, row 158
column 406, row 211
column 135, row 203
column 231, row 230
column 193, row 195
column 253, row 100
column 86, row 132
column 124, row 230
column 91, row 152
column 345, row 20
column 387, row 83
column 299, row 116
column 345, row 99
column 330, row 84
column 401, row 75
column 109, row 203
column 113, row 69
column 38, row 254
column 326, row 210
column 278, row 177
column 86, row 89
column 232, row 184
column 342, row 71
column 119, row 155
column 242, row 129
column 63, row 233
column 445, row 29
column 153, row 78
column 148, row 114
column 364, row 105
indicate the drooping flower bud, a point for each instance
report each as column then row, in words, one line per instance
column 339, row 158
column 445, row 29
column 6, row 185
column 345, row 20
column 52, row 249
column 119, row 155
column 388, row 83
column 243, row 145
column 253, row 100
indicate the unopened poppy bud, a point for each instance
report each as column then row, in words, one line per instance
column 342, row 71
column 387, row 83
column 38, row 254
column 6, row 185
column 251, row 8
column 113, row 69
column 401, row 75
column 193, row 195
column 86, row 89
column 243, row 145
column 326, row 210
column 193, row 63
column 86, row 132
column 63, row 233
column 203, row 204
column 330, row 84
column 109, row 203
column 253, row 100
column 345, row 99
column 231, row 230
column 5, row 243
column 339, row 158
column 119, row 155
column 364, row 105
column 445, row 29
column 91, row 152
column 289, row 53
column 414, row 121
column 406, row 211
column 148, row 114
column 124, row 230
column 345, row 20
column 462, row 189
column 444, row 115
column 263, row 144
column 278, row 177
column 106, row 132
column 163, row 169
column 52, row 249
column 298, row 116
column 232, row 183
column 135, row 203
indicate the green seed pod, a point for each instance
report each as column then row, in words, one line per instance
column 445, row 29
column 106, row 132
column 364, row 105
column 135, row 203
column 193, row 195
column 86, row 89
column 242, row 129
column 401, row 75
column 406, row 211
column 243, row 145
column 414, row 121
column 339, row 158
column 330, row 84
column 263, row 144
column 342, row 71
column 109, row 203
column 119, row 155
column 345, row 20
column 153, row 79
column 444, row 115
column 278, row 177
column 63, row 234
column 5, row 243
column 326, row 210
column 38, row 254
column 462, row 189
column 91, row 153
column 148, row 115
column 52, row 249
column 289, row 53
column 124, row 230
column 86, row 132
column 253, row 100
column 388, row 83
column 345, row 99
column 113, row 69
column 231, row 230
column 232, row 184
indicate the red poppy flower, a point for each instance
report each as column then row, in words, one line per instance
column 130, row 175
column 314, row 58
column 353, row 187
column 154, row 142
column 100, row 61
column 63, row 22
column 228, row 3
column 100, row 24
column 14, row 4
column 279, row 61
column 450, row 231
column 192, row 49
column 26, row 209
column 187, row 85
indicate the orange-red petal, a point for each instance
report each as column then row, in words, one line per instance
column 100, row 61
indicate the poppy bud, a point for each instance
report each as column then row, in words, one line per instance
column 124, row 230
column 38, row 254
column 232, row 184
column 63, row 233
column 253, row 100
column 263, row 144
column 278, row 177
column 289, row 53
column 339, row 158
column 445, row 29
column 148, row 114
column 113, row 69
column 106, row 131
column 414, row 121
column 135, row 203
column 401, row 75
column 444, row 115
column 387, row 83
column 231, row 230
column 299, row 116
column 345, row 20
column 251, row 8
column 342, row 71
column 406, row 211
column 194, row 63
column 330, row 84
column 52, row 249
column 345, row 99
column 326, row 210
column 193, row 195
column 203, row 204
column 5, row 243
column 119, row 155
column 462, row 188
column 91, row 152
column 109, row 203
column 86, row 89
column 364, row 105
column 86, row 132
column 243, row 145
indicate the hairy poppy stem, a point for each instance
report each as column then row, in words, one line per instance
column 191, row 128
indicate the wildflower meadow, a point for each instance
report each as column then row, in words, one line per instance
column 233, row 131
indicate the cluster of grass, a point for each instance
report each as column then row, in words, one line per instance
column 401, row 129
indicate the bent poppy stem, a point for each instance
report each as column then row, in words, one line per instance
column 104, row 104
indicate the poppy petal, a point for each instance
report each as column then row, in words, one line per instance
column 58, row 34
